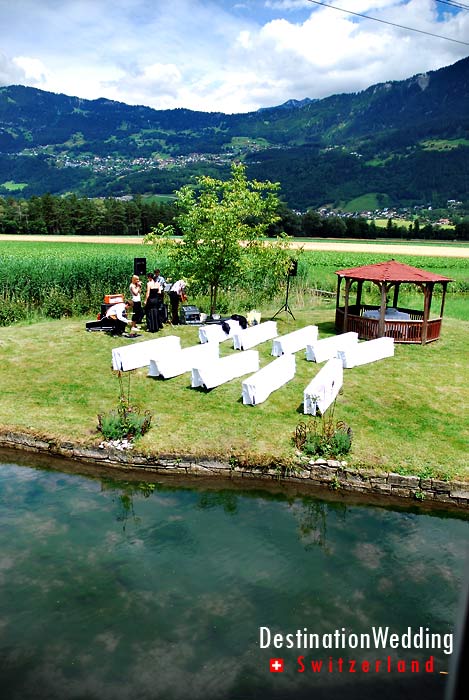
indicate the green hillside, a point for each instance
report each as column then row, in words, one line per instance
column 406, row 140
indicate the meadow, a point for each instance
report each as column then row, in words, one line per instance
column 406, row 412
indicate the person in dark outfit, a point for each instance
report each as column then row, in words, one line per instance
column 162, row 310
column 138, row 313
column 152, row 302
column 177, row 293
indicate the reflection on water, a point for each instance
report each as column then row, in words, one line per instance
column 112, row 590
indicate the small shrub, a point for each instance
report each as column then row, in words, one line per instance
column 12, row 312
column 57, row 304
column 323, row 437
column 125, row 421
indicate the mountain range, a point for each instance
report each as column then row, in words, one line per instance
column 400, row 143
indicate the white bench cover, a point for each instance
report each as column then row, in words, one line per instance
column 224, row 369
column 260, row 385
column 294, row 341
column 325, row 349
column 247, row 338
column 323, row 389
column 368, row 351
column 130, row 357
column 180, row 361
column 213, row 332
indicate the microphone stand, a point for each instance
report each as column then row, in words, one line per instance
column 285, row 306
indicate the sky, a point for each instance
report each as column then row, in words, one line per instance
column 223, row 55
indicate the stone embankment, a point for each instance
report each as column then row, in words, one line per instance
column 307, row 474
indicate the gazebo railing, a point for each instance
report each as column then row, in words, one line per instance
column 402, row 331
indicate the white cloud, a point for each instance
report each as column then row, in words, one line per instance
column 221, row 55
column 33, row 68
column 10, row 72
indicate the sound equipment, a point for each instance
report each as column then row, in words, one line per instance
column 189, row 315
column 140, row 266
column 293, row 270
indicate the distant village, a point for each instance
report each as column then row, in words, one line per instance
column 121, row 165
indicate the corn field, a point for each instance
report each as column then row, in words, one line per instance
column 41, row 279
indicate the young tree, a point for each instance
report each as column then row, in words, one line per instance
column 220, row 222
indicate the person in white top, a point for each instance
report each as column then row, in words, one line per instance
column 117, row 314
column 177, row 293
column 135, row 289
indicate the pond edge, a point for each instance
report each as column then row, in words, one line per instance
column 308, row 474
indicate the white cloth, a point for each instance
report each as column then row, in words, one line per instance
column 213, row 332
column 134, row 290
column 119, row 311
column 247, row 338
column 323, row 389
column 327, row 348
column 175, row 363
column 260, row 385
column 390, row 314
column 178, row 287
column 224, row 369
column 297, row 340
column 368, row 351
column 130, row 357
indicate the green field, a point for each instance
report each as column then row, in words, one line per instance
column 405, row 412
column 68, row 279
column 13, row 186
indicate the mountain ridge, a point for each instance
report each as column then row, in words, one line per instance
column 50, row 140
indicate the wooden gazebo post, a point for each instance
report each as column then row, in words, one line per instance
column 348, row 284
column 428, row 292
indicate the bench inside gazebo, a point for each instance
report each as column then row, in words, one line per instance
column 403, row 324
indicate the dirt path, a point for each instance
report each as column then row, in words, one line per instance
column 443, row 250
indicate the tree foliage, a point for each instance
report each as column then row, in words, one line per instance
column 222, row 222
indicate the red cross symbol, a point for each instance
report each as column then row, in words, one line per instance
column 276, row 665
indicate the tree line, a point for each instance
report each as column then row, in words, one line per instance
column 73, row 215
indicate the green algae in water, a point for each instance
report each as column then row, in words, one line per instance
column 111, row 590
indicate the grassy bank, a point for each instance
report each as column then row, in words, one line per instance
column 406, row 412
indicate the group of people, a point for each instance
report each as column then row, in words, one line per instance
column 152, row 306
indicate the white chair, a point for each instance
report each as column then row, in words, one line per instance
column 294, row 341
column 247, row 338
column 368, row 351
column 138, row 355
column 178, row 362
column 260, row 385
column 323, row 389
column 327, row 348
column 213, row 332
column 224, row 369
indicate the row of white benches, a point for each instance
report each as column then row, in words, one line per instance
column 165, row 358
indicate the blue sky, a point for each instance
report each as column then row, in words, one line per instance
column 221, row 55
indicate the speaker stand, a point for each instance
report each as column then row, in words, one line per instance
column 285, row 306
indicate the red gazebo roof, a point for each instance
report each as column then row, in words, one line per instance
column 391, row 271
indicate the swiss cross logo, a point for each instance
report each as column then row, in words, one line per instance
column 276, row 665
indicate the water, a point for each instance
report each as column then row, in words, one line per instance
column 114, row 591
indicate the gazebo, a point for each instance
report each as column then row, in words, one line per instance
column 402, row 324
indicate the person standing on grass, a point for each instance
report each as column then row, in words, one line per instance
column 177, row 293
column 159, row 279
column 152, row 305
column 117, row 315
column 135, row 289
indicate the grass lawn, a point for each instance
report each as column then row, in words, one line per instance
column 407, row 412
